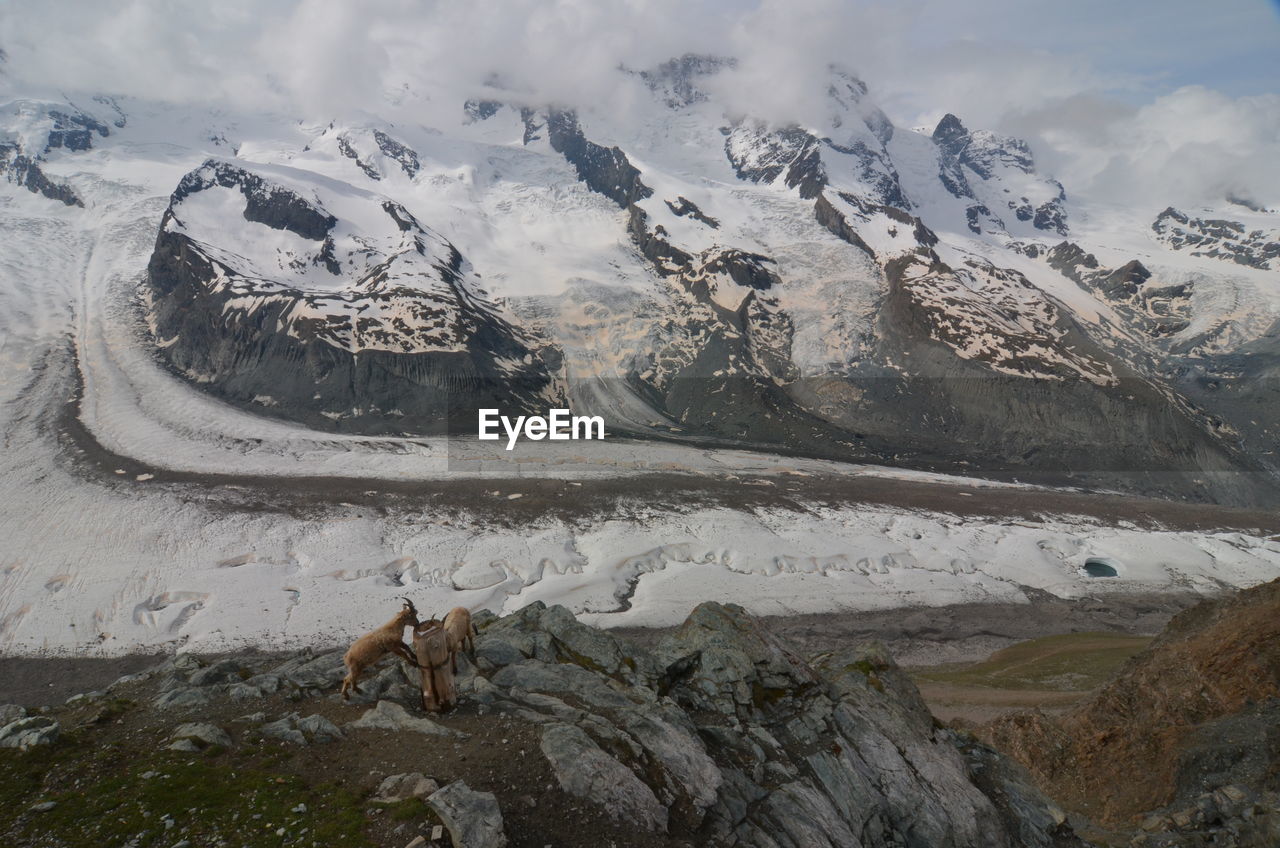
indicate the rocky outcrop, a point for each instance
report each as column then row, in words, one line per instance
column 727, row 736
column 1193, row 715
column 1220, row 238
column 29, row 732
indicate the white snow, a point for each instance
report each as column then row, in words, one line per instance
column 96, row 566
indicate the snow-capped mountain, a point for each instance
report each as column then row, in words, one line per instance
column 849, row 288
column 319, row 300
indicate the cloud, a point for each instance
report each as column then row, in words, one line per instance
column 1191, row 146
column 1117, row 100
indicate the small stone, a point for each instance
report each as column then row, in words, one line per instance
column 44, row 806
column 401, row 787
column 418, row 842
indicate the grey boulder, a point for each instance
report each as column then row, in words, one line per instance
column 472, row 818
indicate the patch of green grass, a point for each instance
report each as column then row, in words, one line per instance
column 410, row 809
column 1072, row 662
column 208, row 798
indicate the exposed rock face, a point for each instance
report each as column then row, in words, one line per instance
column 726, row 736
column 1157, row 310
column 586, row 771
column 1217, row 238
column 762, row 155
column 1192, row 715
column 23, row 170
column 364, row 320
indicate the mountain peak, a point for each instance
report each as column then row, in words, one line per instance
column 949, row 129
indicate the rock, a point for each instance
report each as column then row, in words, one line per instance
column 198, row 735
column 44, row 806
column 129, row 679
column 11, row 712
column 720, row 659
column 309, row 672
column 303, row 731
column 266, row 683
column 400, row 787
column 285, row 729
column 585, row 771
column 472, row 818
column 29, row 732
column 223, row 671
column 319, row 729
column 182, row 698
column 84, row 698
column 391, row 716
column 185, row 663
column 418, row 842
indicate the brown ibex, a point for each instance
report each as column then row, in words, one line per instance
column 459, row 629
column 374, row 645
column 431, row 645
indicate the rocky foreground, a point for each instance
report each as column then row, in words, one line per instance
column 719, row 734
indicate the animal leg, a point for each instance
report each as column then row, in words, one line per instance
column 402, row 650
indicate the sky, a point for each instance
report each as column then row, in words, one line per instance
column 1117, row 98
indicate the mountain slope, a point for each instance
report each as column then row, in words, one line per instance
column 849, row 288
